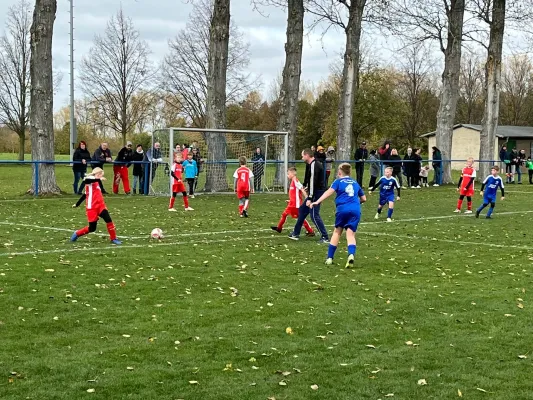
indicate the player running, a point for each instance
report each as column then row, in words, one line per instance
column 243, row 186
column 95, row 207
column 386, row 193
column 176, row 173
column 348, row 213
column 491, row 183
column 296, row 190
column 465, row 187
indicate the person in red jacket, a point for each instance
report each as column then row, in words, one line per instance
column 95, row 207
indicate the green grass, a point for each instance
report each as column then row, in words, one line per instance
column 452, row 285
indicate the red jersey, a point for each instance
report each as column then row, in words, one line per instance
column 93, row 196
column 295, row 195
column 469, row 176
column 243, row 175
column 184, row 153
column 177, row 170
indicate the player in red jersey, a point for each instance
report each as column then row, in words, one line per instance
column 243, row 185
column 176, row 173
column 466, row 186
column 296, row 190
column 95, row 206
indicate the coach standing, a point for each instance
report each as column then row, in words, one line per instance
column 315, row 187
column 361, row 154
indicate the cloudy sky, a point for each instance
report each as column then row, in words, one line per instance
column 160, row 20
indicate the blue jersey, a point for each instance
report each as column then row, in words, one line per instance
column 387, row 187
column 348, row 193
column 190, row 168
column 491, row 185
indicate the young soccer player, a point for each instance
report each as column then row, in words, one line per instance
column 465, row 187
column 348, row 213
column 296, row 190
column 491, row 185
column 386, row 193
column 243, row 185
column 95, row 207
column 176, row 173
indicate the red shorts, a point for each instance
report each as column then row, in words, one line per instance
column 292, row 211
column 243, row 194
column 468, row 192
column 94, row 213
column 178, row 188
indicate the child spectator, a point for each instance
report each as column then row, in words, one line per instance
column 424, row 171
column 138, row 169
column 191, row 172
column 529, row 166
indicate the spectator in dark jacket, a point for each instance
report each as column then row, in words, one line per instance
column 521, row 159
column 417, row 164
column 361, row 155
column 408, row 166
column 155, row 157
column 138, row 169
column 437, row 166
column 384, row 151
column 395, row 161
column 504, row 158
column 258, row 168
column 81, row 158
column 320, row 156
column 513, row 158
column 199, row 162
column 101, row 156
column 120, row 168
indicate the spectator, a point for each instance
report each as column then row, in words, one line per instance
column 138, row 169
column 374, row 168
column 330, row 160
column 177, row 149
column 513, row 157
column 258, row 168
column 529, row 166
column 384, row 151
column 395, row 161
column 191, row 173
column 120, row 168
column 417, row 165
column 81, row 157
column 408, row 166
column 437, row 166
column 185, row 151
column 313, row 149
column 424, row 171
column 101, row 155
column 361, row 154
column 199, row 163
column 320, row 156
column 153, row 156
column 521, row 159
column 504, row 158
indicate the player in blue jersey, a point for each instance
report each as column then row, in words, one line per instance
column 348, row 203
column 491, row 185
column 386, row 193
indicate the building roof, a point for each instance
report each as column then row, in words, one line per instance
column 503, row 131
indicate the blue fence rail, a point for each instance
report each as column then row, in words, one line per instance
column 146, row 170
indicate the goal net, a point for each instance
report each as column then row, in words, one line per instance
column 217, row 152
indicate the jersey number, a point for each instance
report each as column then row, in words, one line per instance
column 243, row 177
column 349, row 190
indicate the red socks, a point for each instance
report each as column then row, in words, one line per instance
column 171, row 204
column 459, row 204
column 469, row 205
column 308, row 227
column 111, row 230
column 241, row 207
column 186, row 201
column 82, row 231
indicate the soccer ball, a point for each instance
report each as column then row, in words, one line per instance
column 157, row 233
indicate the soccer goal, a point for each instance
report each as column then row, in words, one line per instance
column 219, row 151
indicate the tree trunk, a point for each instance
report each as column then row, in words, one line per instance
column 42, row 96
column 350, row 80
column 216, row 180
column 290, row 86
column 493, row 74
column 450, row 85
column 22, row 143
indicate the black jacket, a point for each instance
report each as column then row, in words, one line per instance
column 408, row 167
column 396, row 164
column 125, row 155
column 100, row 156
column 258, row 167
column 138, row 168
column 504, row 155
column 320, row 157
column 79, row 155
column 360, row 154
column 513, row 156
column 417, row 164
column 314, row 178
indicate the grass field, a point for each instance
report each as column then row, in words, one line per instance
column 437, row 307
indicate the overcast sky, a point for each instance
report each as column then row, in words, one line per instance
column 160, row 20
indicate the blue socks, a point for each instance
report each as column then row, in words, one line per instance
column 389, row 212
column 331, row 250
column 481, row 207
column 351, row 249
column 489, row 213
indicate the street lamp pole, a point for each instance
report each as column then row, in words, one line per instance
column 73, row 131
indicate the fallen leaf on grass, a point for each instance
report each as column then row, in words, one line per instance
column 389, row 395
column 282, row 383
column 422, row 382
column 314, row 387
column 51, row 270
column 129, row 368
column 193, row 382
column 126, row 335
column 289, row 331
column 370, row 346
column 91, row 390
column 522, row 356
column 409, row 343
column 482, row 390
column 459, row 393
column 520, row 305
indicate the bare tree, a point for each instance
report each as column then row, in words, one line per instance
column 42, row 95
column 516, row 85
column 15, row 75
column 471, row 85
column 184, row 70
column 219, row 34
column 117, row 69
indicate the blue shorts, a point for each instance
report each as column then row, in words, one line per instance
column 385, row 199
column 347, row 219
column 489, row 199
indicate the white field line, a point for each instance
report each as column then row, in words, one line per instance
column 518, row 191
column 458, row 241
column 128, row 246
column 51, row 228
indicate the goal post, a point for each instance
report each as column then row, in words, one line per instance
column 219, row 151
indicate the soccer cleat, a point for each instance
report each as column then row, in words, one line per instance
column 275, row 228
column 468, row 212
column 245, row 213
column 376, row 216
column 189, row 209
column 349, row 263
column 240, row 215
column 116, row 241
column 172, row 209
column 477, row 214
column 294, row 237
column 191, row 196
column 436, row 185
column 457, row 210
column 310, row 234
column 74, row 237
column 488, row 217
column 329, row 261
column 323, row 240
column 389, row 219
